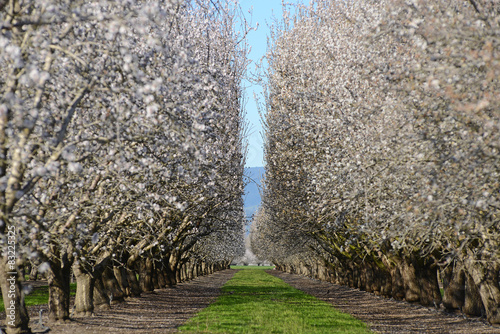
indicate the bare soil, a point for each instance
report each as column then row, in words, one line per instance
column 387, row 315
column 153, row 313
column 165, row 310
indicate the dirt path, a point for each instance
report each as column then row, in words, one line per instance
column 153, row 313
column 384, row 315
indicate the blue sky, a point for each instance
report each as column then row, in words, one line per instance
column 263, row 12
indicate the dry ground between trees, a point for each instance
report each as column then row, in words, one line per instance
column 153, row 313
column 385, row 315
column 165, row 310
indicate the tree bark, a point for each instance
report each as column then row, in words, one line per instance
column 454, row 287
column 121, row 278
column 155, row 276
column 412, row 288
column 84, row 299
column 112, row 287
column 101, row 298
column 473, row 304
column 430, row 295
column 146, row 275
column 485, row 276
column 131, row 274
column 171, row 269
column 34, row 272
column 59, row 289
column 160, row 274
column 17, row 318
column 135, row 288
column 397, row 283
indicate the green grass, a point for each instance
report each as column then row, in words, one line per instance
column 38, row 296
column 252, row 267
column 256, row 302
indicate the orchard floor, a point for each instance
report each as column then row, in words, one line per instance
column 384, row 315
column 164, row 310
column 153, row 313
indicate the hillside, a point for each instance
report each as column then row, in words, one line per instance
column 253, row 177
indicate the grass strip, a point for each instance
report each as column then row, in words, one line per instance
column 255, row 302
column 38, row 296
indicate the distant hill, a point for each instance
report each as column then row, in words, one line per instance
column 253, row 177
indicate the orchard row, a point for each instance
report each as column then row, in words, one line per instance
column 121, row 150
column 383, row 149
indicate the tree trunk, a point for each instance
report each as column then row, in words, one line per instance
column 485, row 276
column 204, row 268
column 430, row 295
column 135, row 288
column 34, row 273
column 33, row 276
column 454, row 287
column 59, row 289
column 155, row 278
column 178, row 275
column 194, row 271
column 17, row 318
column 370, row 281
column 171, row 269
column 162, row 283
column 412, row 288
column 421, row 282
column 101, row 297
column 121, row 278
column 112, row 287
column 350, row 276
column 84, row 299
column 146, row 275
column 397, row 283
column 472, row 304
column 131, row 274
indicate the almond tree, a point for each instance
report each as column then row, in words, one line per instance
column 381, row 145
column 119, row 131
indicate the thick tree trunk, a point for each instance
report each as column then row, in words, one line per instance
column 160, row 274
column 33, row 275
column 421, row 283
column 397, row 283
column 156, row 283
column 350, row 275
column 184, row 273
column 121, row 278
column 171, row 269
column 472, row 304
column 454, row 287
column 84, row 299
column 101, row 298
column 17, row 318
column 131, row 274
column 112, row 287
column 485, row 276
column 146, row 275
column 370, row 281
column 382, row 279
column 59, row 289
column 412, row 288
column 178, row 275
column 194, row 271
column 170, row 276
column 135, row 288
column 430, row 295
column 203, row 268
